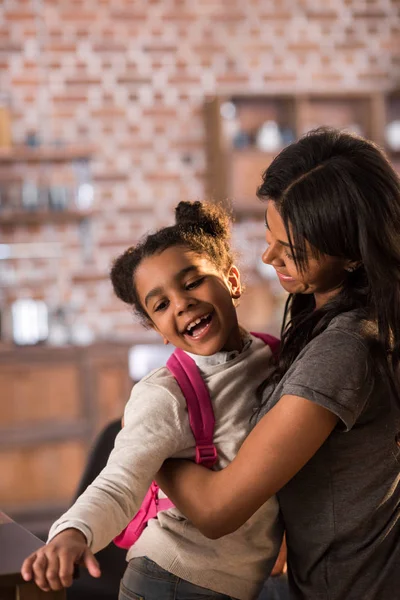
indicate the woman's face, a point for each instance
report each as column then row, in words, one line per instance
column 323, row 276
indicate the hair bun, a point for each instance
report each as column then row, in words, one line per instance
column 211, row 218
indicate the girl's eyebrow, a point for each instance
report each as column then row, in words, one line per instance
column 157, row 291
column 154, row 292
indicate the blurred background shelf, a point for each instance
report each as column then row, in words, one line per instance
column 45, row 184
column 41, row 217
column 47, row 154
column 245, row 132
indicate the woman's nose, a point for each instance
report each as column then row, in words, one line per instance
column 271, row 256
column 265, row 255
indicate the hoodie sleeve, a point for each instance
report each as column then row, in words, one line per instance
column 154, row 430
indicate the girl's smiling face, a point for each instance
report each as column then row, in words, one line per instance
column 323, row 275
column 189, row 302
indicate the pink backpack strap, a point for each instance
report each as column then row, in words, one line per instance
column 200, row 410
column 269, row 340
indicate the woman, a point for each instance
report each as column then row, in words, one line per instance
column 328, row 440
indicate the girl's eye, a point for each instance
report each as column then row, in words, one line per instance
column 161, row 306
column 194, row 284
column 289, row 255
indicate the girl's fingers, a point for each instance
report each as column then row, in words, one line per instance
column 39, row 568
column 53, row 571
column 52, row 566
column 91, row 563
column 66, row 569
column 26, row 569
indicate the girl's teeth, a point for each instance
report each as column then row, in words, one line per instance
column 196, row 322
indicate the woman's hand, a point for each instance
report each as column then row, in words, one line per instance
column 219, row 502
column 52, row 566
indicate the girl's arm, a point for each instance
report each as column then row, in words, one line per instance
column 219, row 502
column 153, row 431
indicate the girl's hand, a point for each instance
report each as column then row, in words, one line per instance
column 52, row 566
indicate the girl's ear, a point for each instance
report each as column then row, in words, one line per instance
column 234, row 282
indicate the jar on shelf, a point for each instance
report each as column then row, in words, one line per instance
column 268, row 138
column 392, row 135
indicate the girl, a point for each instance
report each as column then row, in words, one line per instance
column 182, row 282
column 328, row 444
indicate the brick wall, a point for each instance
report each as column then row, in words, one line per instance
column 131, row 76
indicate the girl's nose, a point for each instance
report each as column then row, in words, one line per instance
column 182, row 303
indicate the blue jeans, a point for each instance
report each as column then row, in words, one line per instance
column 145, row 580
column 275, row 588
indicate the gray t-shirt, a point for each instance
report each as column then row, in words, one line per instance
column 342, row 510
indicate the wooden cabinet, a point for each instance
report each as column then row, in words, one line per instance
column 244, row 133
column 54, row 401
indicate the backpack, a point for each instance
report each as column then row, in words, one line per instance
column 202, row 422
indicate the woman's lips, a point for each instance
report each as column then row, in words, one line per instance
column 283, row 277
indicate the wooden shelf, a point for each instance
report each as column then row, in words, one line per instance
column 254, row 152
column 46, row 154
column 252, row 209
column 245, row 171
column 233, row 174
column 42, row 217
column 89, row 277
column 395, row 154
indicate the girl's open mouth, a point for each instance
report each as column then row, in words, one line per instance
column 198, row 327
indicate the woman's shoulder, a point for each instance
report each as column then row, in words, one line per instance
column 344, row 344
column 335, row 369
column 351, row 324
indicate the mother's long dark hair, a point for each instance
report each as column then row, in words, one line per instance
column 340, row 193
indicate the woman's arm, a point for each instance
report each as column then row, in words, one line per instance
column 219, row 502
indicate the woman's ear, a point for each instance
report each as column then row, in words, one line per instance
column 234, row 282
column 352, row 265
